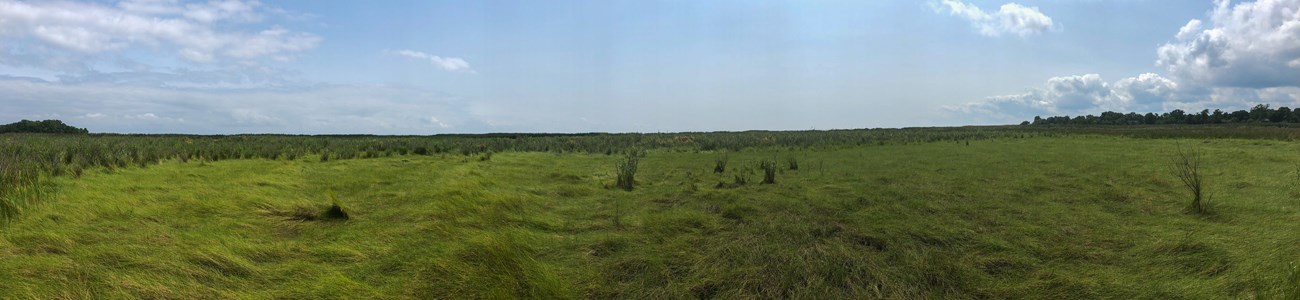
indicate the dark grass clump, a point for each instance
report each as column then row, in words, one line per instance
column 793, row 163
column 304, row 211
column 627, row 170
column 720, row 165
column 335, row 211
column 769, row 171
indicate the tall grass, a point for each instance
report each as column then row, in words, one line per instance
column 769, row 170
column 626, row 169
column 19, row 183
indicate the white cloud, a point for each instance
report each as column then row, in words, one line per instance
column 195, row 32
column 446, row 63
column 1247, row 54
column 1077, row 95
column 301, row 109
column 1187, row 31
column 440, row 124
column 1250, row 44
column 1011, row 18
column 1144, row 92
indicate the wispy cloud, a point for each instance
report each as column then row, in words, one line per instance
column 201, row 33
column 1011, row 18
column 307, row 109
column 454, row 64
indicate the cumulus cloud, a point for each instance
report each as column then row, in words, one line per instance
column 1077, row 95
column 196, row 32
column 446, row 63
column 1144, row 92
column 1011, row 18
column 1247, row 53
column 1249, row 44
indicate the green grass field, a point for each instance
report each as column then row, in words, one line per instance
column 1077, row 216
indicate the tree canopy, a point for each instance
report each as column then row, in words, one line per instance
column 47, row 126
column 1261, row 113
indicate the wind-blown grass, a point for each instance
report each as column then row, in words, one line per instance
column 1049, row 217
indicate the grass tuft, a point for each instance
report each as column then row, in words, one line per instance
column 769, row 171
column 720, row 165
column 335, row 211
column 626, row 169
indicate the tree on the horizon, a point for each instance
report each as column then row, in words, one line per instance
column 1261, row 113
column 46, row 126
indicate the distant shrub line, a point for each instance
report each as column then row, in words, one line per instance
column 27, row 159
column 1261, row 113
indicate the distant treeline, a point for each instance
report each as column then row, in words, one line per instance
column 47, row 126
column 1261, row 113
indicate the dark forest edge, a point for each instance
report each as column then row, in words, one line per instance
column 1261, row 113
column 47, row 126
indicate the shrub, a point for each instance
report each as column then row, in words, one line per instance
column 769, row 171
column 1187, row 167
column 793, row 163
column 627, row 170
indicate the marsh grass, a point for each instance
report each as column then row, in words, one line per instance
column 769, row 170
column 626, row 170
column 1046, row 217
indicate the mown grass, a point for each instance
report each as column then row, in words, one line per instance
column 1047, row 218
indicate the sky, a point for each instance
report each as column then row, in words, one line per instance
column 431, row 67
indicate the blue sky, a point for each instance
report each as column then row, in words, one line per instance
column 427, row 67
